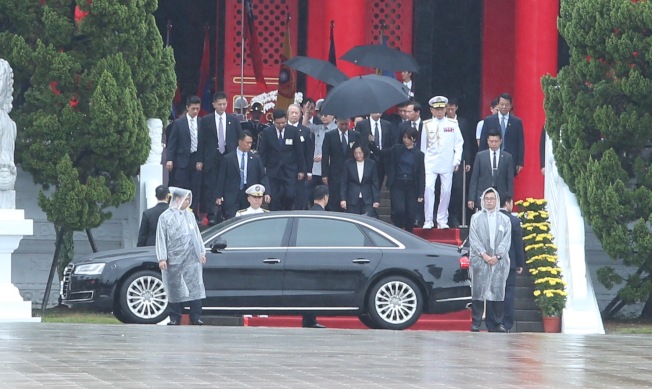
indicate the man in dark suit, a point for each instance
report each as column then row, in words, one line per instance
column 320, row 195
column 281, row 151
column 468, row 157
column 149, row 221
column 413, row 115
column 511, row 128
column 255, row 125
column 239, row 170
column 492, row 169
column 218, row 135
column 182, row 146
column 336, row 149
column 384, row 138
column 516, row 261
column 307, row 139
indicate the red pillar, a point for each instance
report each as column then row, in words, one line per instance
column 349, row 31
column 536, row 55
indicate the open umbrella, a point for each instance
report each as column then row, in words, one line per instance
column 381, row 57
column 318, row 69
column 363, row 95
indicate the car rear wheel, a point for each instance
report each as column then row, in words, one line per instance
column 143, row 299
column 395, row 303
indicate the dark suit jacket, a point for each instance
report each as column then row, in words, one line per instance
column 208, row 148
column 178, row 144
column 387, row 135
column 228, row 179
column 392, row 157
column 513, row 142
column 351, row 186
column 481, row 175
column 516, row 250
column 147, row 231
column 333, row 157
column 317, row 207
column 285, row 161
column 470, row 144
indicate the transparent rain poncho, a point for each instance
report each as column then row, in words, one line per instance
column 179, row 242
column 488, row 282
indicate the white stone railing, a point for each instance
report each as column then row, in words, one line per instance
column 582, row 314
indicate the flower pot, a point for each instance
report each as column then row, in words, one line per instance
column 552, row 324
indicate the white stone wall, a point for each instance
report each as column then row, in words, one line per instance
column 32, row 260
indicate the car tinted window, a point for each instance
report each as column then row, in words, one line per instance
column 257, row 233
column 319, row 232
column 379, row 240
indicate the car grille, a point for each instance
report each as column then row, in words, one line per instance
column 65, row 282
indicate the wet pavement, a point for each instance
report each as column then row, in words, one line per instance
column 36, row 355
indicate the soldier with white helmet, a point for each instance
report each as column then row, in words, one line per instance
column 442, row 143
column 255, row 195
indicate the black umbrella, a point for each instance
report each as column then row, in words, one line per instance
column 381, row 57
column 318, row 69
column 363, row 95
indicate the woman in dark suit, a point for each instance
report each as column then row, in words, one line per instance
column 359, row 187
column 405, row 178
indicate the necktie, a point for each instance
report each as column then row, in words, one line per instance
column 280, row 138
column 414, row 124
column 344, row 144
column 193, row 135
column 503, row 126
column 242, row 170
column 221, row 141
column 494, row 170
column 377, row 137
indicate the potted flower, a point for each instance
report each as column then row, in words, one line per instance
column 541, row 258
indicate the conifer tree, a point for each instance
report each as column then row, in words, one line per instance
column 598, row 116
column 84, row 89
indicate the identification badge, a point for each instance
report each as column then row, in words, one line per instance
column 302, row 140
column 351, row 144
column 288, row 142
column 501, row 229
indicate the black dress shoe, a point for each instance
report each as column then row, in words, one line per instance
column 197, row 323
column 475, row 329
column 316, row 325
column 173, row 323
column 500, row 328
column 212, row 222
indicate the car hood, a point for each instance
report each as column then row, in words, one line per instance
column 115, row 255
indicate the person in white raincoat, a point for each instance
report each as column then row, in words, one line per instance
column 489, row 239
column 180, row 254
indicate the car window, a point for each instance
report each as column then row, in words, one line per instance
column 320, row 232
column 378, row 240
column 257, row 233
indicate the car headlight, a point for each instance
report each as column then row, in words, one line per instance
column 90, row 269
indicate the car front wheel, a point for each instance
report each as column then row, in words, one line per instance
column 395, row 303
column 143, row 299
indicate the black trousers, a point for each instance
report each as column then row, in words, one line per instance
column 176, row 309
column 240, row 202
column 510, row 291
column 189, row 178
column 283, row 193
column 360, row 208
column 403, row 195
column 493, row 315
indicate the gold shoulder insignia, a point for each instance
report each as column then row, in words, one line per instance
column 453, row 120
column 265, row 210
column 427, row 121
column 242, row 210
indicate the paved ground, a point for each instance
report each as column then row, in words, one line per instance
column 36, row 355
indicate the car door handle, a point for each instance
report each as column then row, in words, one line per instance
column 272, row 261
column 361, row 261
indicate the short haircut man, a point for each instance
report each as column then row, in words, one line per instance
column 320, row 192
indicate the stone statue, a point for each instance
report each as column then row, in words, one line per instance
column 7, row 138
column 155, row 127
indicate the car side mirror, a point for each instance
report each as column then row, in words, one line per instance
column 218, row 245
